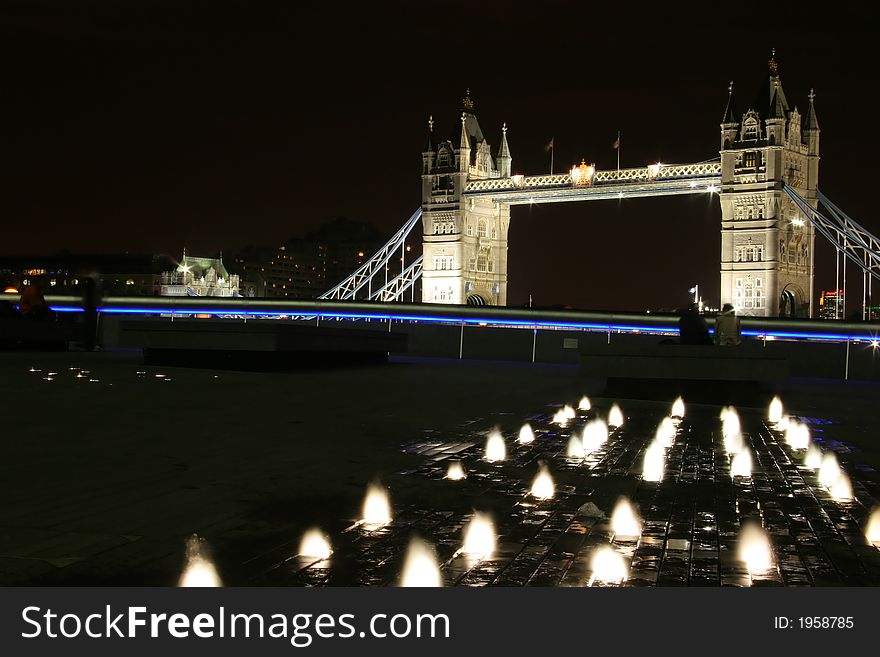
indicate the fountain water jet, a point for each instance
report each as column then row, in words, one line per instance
column 595, row 435
column 314, row 545
column 678, row 408
column 654, row 463
column 526, row 435
column 829, row 471
column 615, row 417
column 625, row 522
column 774, row 413
column 479, row 537
column 783, row 423
column 377, row 509
column 455, row 471
column 496, row 450
column 584, row 404
column 665, row 434
column 741, row 465
column 841, row 490
column 542, row 486
column 733, row 442
column 755, row 549
column 730, row 424
column 872, row 531
column 198, row 570
column 608, row 566
column 813, row 458
column 420, row 568
column 797, row 435
column 575, row 449
column 560, row 418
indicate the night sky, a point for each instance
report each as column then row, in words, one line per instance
column 147, row 126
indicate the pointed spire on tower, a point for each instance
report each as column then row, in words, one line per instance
column 772, row 64
column 812, row 123
column 730, row 114
column 467, row 104
column 465, row 142
column 504, row 150
column 777, row 102
column 429, row 143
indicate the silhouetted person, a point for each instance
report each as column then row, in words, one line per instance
column 728, row 328
column 32, row 304
column 91, row 300
column 692, row 328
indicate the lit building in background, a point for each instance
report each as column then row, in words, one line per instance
column 304, row 267
column 199, row 277
column 831, row 304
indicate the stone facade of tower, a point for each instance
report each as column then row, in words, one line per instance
column 464, row 244
column 766, row 244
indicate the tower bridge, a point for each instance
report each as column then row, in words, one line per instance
column 766, row 176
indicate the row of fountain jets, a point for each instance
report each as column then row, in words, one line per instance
column 421, row 568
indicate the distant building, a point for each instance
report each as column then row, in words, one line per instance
column 200, row 277
column 305, row 267
column 121, row 275
column 831, row 304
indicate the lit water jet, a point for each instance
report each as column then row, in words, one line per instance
column 496, row 450
column 741, row 465
column 678, row 408
column 595, row 435
column 872, row 530
column 783, row 423
column 733, row 442
column 654, row 463
column 797, row 435
column 420, row 568
column 730, row 425
column 665, row 434
column 542, row 485
column 377, row 508
column 314, row 545
column 584, row 404
column 829, row 471
column 615, row 417
column 560, row 418
column 198, row 570
column 479, row 537
column 569, row 412
column 526, row 435
column 774, row 413
column 575, row 449
column 625, row 523
column 455, row 471
column 608, row 566
column 755, row 549
column 841, row 489
column 813, row 458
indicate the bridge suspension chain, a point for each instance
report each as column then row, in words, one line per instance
column 365, row 274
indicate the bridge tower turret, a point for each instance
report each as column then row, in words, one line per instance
column 464, row 240
column 766, row 246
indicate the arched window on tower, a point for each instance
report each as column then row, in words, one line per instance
column 750, row 130
column 481, row 228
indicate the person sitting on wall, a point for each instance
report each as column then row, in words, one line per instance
column 728, row 327
column 692, row 328
column 32, row 304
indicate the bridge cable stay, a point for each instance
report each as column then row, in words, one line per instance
column 395, row 288
column 363, row 275
column 848, row 237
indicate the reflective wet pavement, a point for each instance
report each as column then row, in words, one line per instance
column 691, row 519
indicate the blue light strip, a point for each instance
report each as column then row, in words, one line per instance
column 494, row 322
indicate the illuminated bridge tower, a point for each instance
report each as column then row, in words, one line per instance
column 766, row 247
column 464, row 243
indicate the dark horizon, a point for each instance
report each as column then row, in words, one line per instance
column 218, row 125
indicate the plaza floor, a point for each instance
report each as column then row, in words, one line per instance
column 110, row 465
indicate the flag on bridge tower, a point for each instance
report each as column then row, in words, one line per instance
column 616, row 146
column 549, row 149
